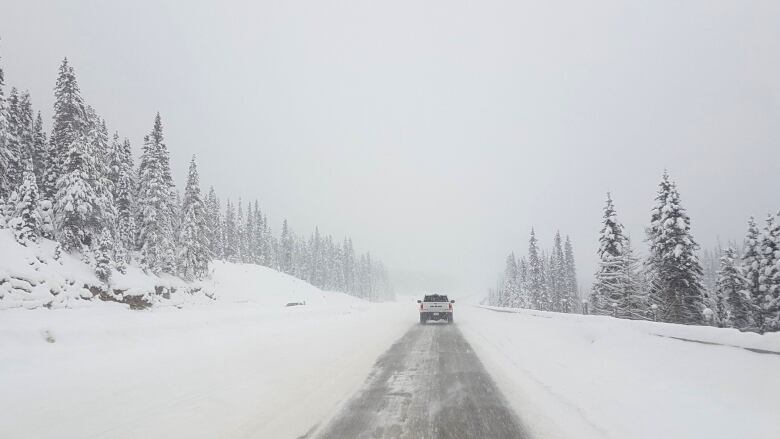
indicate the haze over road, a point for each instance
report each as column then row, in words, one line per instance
column 429, row 384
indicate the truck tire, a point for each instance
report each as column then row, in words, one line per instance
column 422, row 319
column 450, row 318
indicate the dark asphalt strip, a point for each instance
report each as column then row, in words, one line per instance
column 429, row 384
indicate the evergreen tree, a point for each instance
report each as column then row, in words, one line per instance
column 751, row 269
column 13, row 142
column 769, row 274
column 123, row 186
column 70, row 125
column 26, row 221
column 40, row 150
column 77, row 206
column 730, row 288
column 572, row 291
column 214, row 225
column 536, row 288
column 510, row 291
column 231, row 239
column 286, row 249
column 155, row 197
column 240, row 234
column 673, row 261
column 558, row 276
column 105, row 249
column 610, row 283
column 194, row 255
column 7, row 155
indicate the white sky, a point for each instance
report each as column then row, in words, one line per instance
column 436, row 133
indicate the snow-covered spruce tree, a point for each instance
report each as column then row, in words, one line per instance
column 673, row 261
column 571, row 277
column 536, row 287
column 730, row 288
column 78, row 216
column 510, row 291
column 70, row 126
column 17, row 157
column 40, row 149
column 558, row 291
column 259, row 235
column 769, row 274
column 154, row 200
column 194, row 255
column 103, row 252
column 214, row 225
column 26, row 221
column 240, row 233
column 7, row 155
column 751, row 270
column 121, row 173
column 286, row 249
column 349, row 266
column 610, row 281
column 231, row 240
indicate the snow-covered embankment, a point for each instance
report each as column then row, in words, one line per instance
column 243, row 365
column 574, row 376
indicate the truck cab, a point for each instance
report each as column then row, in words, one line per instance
column 436, row 307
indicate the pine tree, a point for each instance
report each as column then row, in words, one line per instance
column 40, row 150
column 730, row 288
column 558, row 276
column 610, row 283
column 673, row 261
column 77, row 208
column 751, row 269
column 194, row 255
column 7, row 155
column 70, row 125
column 286, row 249
column 155, row 197
column 105, row 249
column 26, row 221
column 769, row 274
column 536, row 288
column 214, row 224
column 16, row 154
column 572, row 291
column 510, row 290
column 123, row 186
column 231, row 238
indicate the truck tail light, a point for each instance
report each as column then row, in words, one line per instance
column 450, row 307
column 421, row 307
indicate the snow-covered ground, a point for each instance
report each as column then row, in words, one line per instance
column 244, row 365
column 573, row 376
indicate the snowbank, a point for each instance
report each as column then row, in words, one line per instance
column 39, row 275
column 574, row 376
column 245, row 365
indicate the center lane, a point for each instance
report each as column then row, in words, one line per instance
column 429, row 384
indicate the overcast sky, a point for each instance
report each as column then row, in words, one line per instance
column 436, row 133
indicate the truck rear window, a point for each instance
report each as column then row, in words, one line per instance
column 436, row 298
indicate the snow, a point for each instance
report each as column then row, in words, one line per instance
column 243, row 365
column 574, row 376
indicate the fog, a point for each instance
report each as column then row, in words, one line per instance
column 435, row 133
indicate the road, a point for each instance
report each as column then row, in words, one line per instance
column 429, row 384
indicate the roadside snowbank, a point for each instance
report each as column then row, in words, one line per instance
column 244, row 365
column 40, row 276
column 573, row 376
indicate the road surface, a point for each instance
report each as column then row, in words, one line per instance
column 429, row 384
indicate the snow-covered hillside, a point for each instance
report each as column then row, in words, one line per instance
column 575, row 376
column 40, row 275
column 242, row 365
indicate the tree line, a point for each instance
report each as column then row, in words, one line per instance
column 542, row 280
column 81, row 188
column 735, row 287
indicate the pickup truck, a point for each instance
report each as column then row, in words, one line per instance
column 435, row 307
